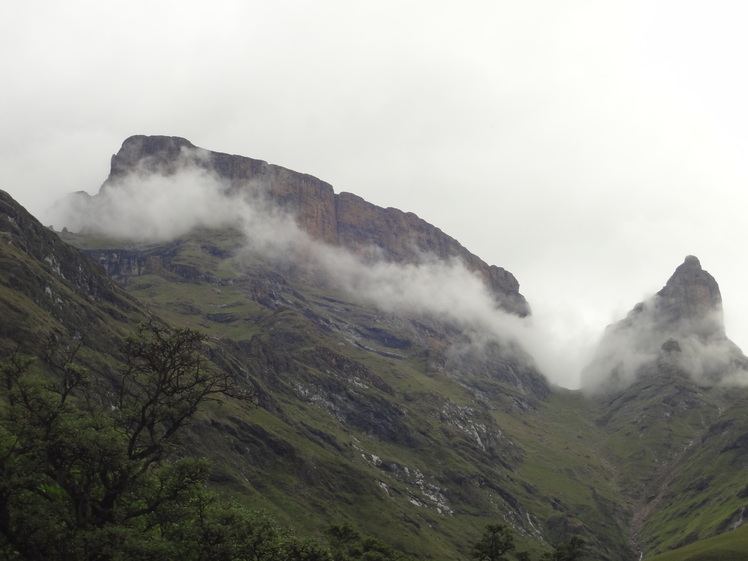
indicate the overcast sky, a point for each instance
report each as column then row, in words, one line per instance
column 586, row 146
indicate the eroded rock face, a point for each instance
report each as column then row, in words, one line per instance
column 691, row 296
column 341, row 219
column 404, row 237
column 311, row 200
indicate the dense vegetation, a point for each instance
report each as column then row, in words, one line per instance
column 365, row 425
column 89, row 472
column 95, row 473
column 732, row 546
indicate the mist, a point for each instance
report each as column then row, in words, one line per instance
column 144, row 206
column 697, row 347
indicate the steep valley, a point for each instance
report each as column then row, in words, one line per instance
column 449, row 444
column 375, row 414
column 417, row 425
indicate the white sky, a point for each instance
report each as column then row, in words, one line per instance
column 586, row 146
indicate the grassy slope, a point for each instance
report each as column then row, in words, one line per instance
column 569, row 466
column 466, row 458
column 566, row 462
column 731, row 546
column 665, row 435
column 709, row 492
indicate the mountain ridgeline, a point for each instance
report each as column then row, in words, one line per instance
column 415, row 424
column 342, row 219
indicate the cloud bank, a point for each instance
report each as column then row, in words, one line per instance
column 696, row 347
column 143, row 206
column 146, row 206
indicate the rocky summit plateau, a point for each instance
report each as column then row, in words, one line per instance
column 342, row 219
column 388, row 418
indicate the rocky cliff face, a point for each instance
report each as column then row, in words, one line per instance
column 691, row 301
column 681, row 325
column 690, row 304
column 340, row 219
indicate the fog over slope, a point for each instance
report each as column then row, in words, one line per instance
column 682, row 326
column 143, row 205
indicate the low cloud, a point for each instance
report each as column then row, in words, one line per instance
column 444, row 290
column 143, row 206
column 149, row 207
column 146, row 206
column 695, row 347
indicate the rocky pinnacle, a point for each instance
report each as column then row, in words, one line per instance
column 683, row 322
column 691, row 300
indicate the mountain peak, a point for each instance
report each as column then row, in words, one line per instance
column 691, row 262
column 682, row 325
column 151, row 154
column 690, row 301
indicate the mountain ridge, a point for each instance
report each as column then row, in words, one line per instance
column 398, row 422
column 341, row 219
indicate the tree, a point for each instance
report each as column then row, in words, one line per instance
column 163, row 385
column 83, row 476
column 496, row 542
column 567, row 551
column 346, row 544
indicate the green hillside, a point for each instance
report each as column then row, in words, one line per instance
column 732, row 546
column 390, row 422
column 376, row 422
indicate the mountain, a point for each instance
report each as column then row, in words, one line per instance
column 663, row 382
column 341, row 219
column 417, row 424
column 683, row 324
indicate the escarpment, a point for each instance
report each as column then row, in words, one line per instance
column 341, row 219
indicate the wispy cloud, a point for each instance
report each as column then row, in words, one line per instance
column 147, row 206
column 696, row 346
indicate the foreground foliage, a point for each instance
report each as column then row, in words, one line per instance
column 90, row 474
column 94, row 473
column 497, row 543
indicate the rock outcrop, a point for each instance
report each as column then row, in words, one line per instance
column 681, row 327
column 341, row 219
column 690, row 301
column 690, row 304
